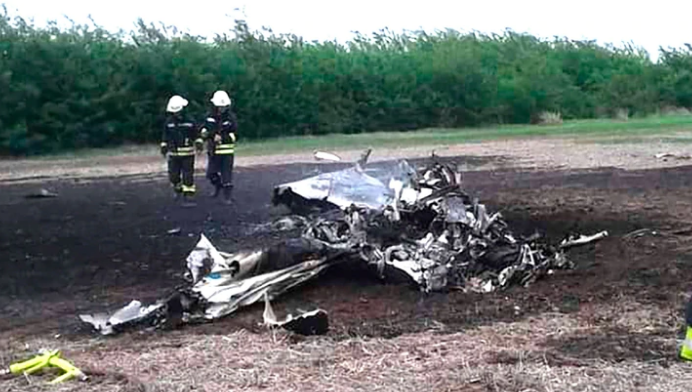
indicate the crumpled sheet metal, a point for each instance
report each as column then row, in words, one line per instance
column 220, row 284
column 128, row 316
column 227, row 282
column 341, row 188
column 223, row 297
column 364, row 187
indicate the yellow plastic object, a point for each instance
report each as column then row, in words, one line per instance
column 49, row 358
column 686, row 350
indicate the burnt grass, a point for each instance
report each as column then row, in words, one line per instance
column 104, row 241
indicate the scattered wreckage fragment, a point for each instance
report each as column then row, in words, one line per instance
column 132, row 315
column 404, row 223
column 315, row 322
column 326, row 156
column 239, row 280
column 220, row 283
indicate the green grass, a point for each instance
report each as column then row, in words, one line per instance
column 593, row 131
column 654, row 138
column 574, row 129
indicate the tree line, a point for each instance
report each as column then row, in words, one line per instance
column 84, row 86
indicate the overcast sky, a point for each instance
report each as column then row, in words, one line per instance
column 650, row 25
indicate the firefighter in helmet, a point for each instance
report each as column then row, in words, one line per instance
column 219, row 131
column 178, row 143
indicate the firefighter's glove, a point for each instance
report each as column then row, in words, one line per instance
column 217, row 138
column 164, row 149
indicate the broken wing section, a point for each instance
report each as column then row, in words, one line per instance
column 222, row 297
column 232, row 281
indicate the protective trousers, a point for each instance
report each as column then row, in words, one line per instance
column 220, row 170
column 181, row 171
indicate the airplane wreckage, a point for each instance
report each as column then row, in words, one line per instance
column 403, row 222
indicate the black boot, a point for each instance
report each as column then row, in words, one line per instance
column 217, row 191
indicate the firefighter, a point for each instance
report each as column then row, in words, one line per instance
column 219, row 130
column 179, row 142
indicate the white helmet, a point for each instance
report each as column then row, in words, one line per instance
column 221, row 99
column 176, row 104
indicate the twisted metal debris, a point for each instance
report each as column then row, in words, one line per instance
column 427, row 227
column 420, row 226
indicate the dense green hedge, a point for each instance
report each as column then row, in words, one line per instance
column 87, row 87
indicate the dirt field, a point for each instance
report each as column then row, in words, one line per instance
column 610, row 325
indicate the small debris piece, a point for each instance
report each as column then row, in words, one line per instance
column 42, row 194
column 582, row 240
column 639, row 233
column 315, row 322
column 326, row 156
column 131, row 314
column 665, row 155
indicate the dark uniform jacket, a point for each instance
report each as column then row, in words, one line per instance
column 180, row 136
column 225, row 125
